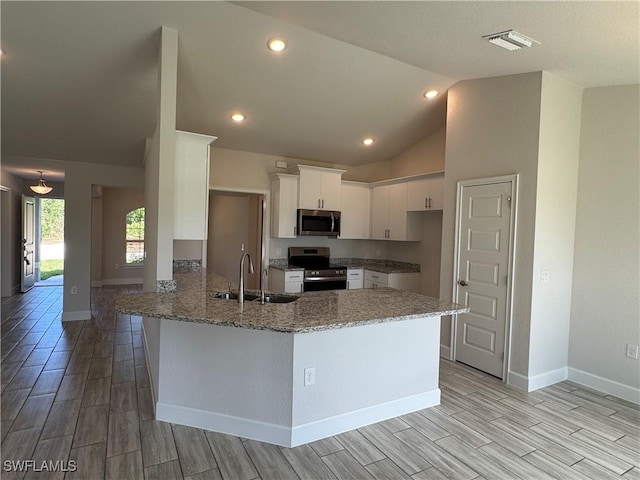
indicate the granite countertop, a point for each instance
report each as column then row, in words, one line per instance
column 313, row 311
column 382, row 266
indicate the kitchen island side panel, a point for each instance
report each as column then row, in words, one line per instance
column 235, row 372
column 393, row 364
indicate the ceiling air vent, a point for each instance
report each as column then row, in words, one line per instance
column 511, row 40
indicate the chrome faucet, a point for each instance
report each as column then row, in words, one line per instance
column 241, row 283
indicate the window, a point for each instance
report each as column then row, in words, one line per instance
column 135, row 236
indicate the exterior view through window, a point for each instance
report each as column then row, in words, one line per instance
column 135, row 236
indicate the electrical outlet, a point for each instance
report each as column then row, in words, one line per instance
column 309, row 376
column 278, row 252
column 378, row 252
column 632, row 351
column 74, row 290
column 545, row 276
column 116, row 266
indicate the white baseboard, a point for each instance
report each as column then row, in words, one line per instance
column 96, row 283
column 445, row 351
column 521, row 382
column 605, row 385
column 529, row 384
column 547, row 378
column 76, row 316
column 293, row 436
column 151, row 382
column 328, row 427
column 121, row 281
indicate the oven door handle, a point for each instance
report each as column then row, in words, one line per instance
column 325, row 279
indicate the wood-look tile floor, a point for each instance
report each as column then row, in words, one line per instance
column 79, row 392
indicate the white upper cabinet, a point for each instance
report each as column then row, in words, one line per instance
column 284, row 202
column 426, row 193
column 355, row 210
column 191, row 186
column 319, row 188
column 389, row 217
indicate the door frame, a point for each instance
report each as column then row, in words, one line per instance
column 266, row 222
column 461, row 184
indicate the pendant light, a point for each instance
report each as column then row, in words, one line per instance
column 41, row 188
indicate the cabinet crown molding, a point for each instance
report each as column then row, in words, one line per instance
column 408, row 178
column 195, row 137
column 297, row 168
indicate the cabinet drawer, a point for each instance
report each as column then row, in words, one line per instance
column 376, row 277
column 295, row 276
column 355, row 274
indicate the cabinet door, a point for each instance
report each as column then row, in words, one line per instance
column 191, row 190
column 293, row 287
column 356, row 203
column 331, row 186
column 380, row 212
column 397, row 211
column 310, row 189
column 436, row 192
column 418, row 195
column 425, row 194
column 284, row 204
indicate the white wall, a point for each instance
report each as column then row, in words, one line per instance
column 492, row 130
column 606, row 287
column 160, row 169
column 557, row 185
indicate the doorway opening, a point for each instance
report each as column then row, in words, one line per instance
column 237, row 221
column 50, row 242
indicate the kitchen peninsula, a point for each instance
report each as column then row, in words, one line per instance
column 288, row 373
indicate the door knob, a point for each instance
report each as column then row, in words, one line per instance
column 462, row 283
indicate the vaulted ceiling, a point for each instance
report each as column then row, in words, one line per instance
column 79, row 78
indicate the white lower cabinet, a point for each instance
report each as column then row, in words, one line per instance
column 355, row 278
column 401, row 281
column 286, row 281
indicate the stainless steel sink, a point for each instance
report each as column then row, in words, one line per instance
column 248, row 297
column 253, row 297
column 279, row 298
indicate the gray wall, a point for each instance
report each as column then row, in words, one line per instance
column 605, row 312
column 10, row 212
column 493, row 130
column 116, row 203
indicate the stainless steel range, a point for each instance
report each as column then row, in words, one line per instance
column 319, row 272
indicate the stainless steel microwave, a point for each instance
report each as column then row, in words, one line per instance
column 325, row 223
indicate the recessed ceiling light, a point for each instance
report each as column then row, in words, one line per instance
column 431, row 93
column 238, row 117
column 368, row 141
column 276, row 44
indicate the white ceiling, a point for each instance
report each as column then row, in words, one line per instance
column 79, row 78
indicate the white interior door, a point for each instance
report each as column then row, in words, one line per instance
column 483, row 252
column 28, row 242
